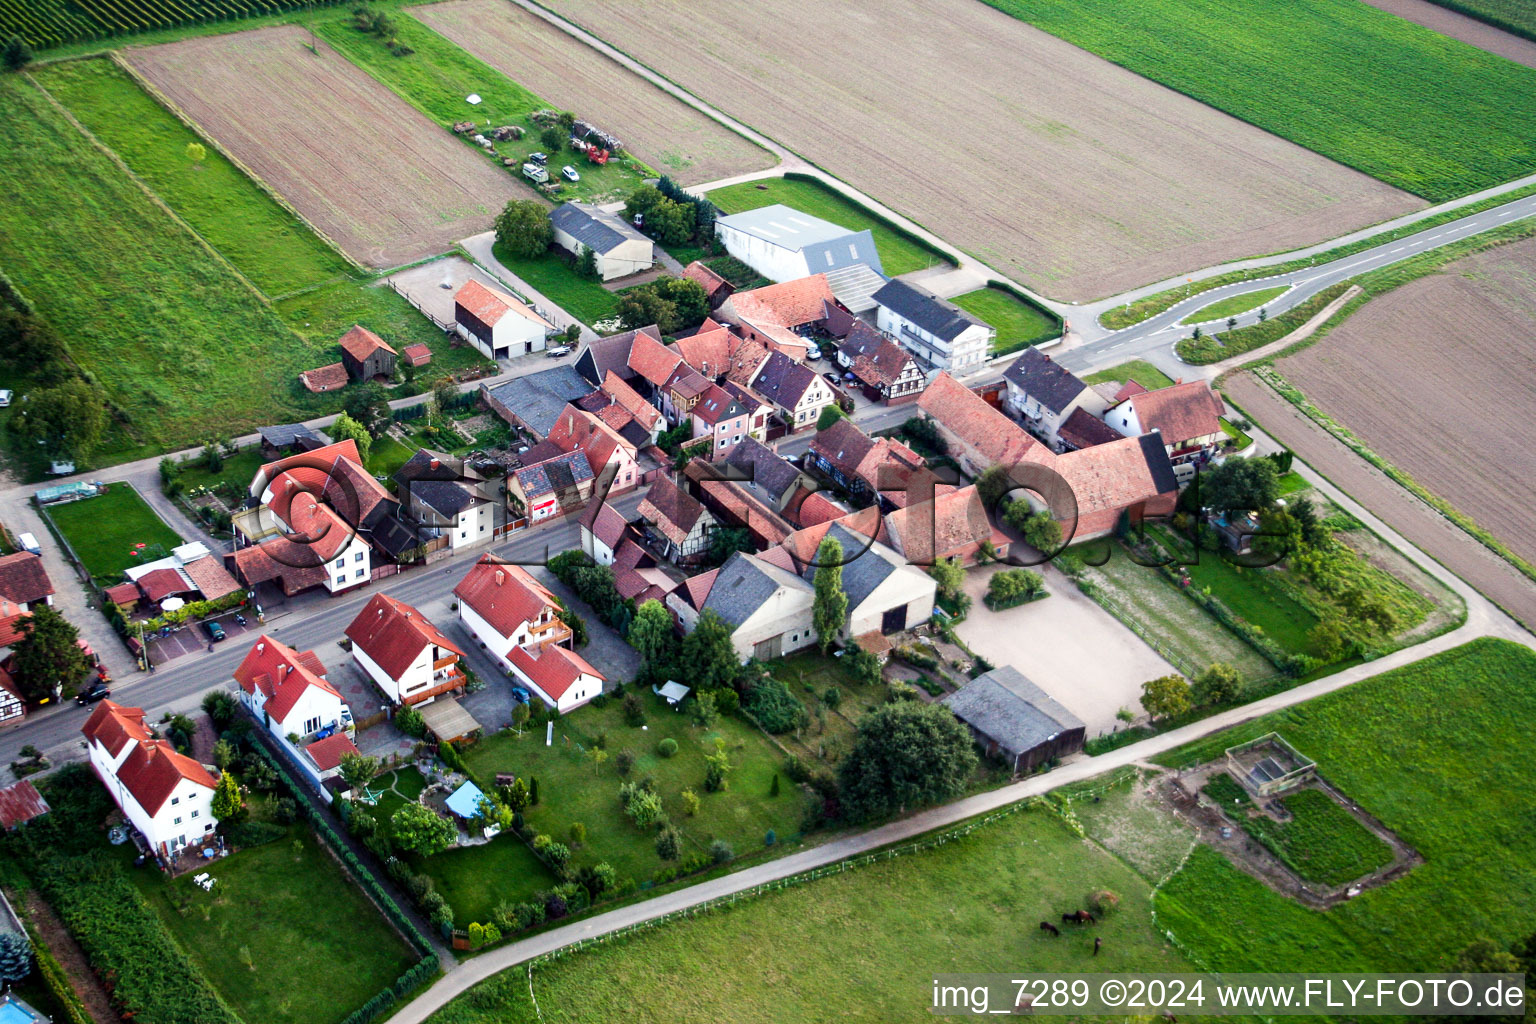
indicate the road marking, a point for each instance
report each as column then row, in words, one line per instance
column 1400, row 248
column 1506, row 213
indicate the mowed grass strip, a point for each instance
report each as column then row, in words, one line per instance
column 265, row 242
column 105, row 531
column 1019, row 324
column 1234, row 305
column 1439, row 752
column 861, row 945
column 1413, row 108
column 1139, row 370
column 900, row 253
column 278, row 913
column 551, row 275
column 173, row 339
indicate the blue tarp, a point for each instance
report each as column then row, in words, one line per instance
column 465, row 801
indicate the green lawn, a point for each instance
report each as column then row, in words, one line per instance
column 387, row 456
column 1414, row 108
column 900, row 253
column 436, row 78
column 1517, row 16
column 1234, row 305
column 1293, row 482
column 1439, row 752
column 271, row 246
column 1019, row 324
column 237, row 471
column 862, row 945
column 1139, row 370
column 172, row 337
column 574, row 788
column 474, row 879
column 829, row 735
column 292, row 914
column 105, row 529
column 553, row 276
column 1242, row 438
column 1322, row 842
column 324, row 314
column 1253, row 595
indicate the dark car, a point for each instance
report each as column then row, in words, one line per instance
column 214, row 630
column 521, row 695
column 97, row 691
column 538, row 158
column 831, row 378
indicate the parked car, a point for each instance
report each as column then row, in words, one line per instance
column 98, row 691
column 28, row 542
column 570, row 173
column 521, row 695
column 812, row 350
column 831, row 378
column 558, row 351
column 538, row 158
column 5, row 397
column 214, row 630
column 535, row 173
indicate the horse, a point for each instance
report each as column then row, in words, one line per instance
column 1096, row 944
column 1078, row 917
column 1046, row 926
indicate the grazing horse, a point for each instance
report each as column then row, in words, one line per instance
column 1096, row 944
column 1078, row 917
column 1046, row 926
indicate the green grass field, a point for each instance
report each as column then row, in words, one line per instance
column 266, row 243
column 173, row 338
column 474, row 879
column 1414, row 108
column 436, row 78
column 1139, row 370
column 324, row 314
column 1517, row 16
column 858, row 946
column 105, row 529
column 1019, row 324
column 275, row 917
column 237, row 470
column 900, row 253
column 1234, row 305
column 552, row 276
column 1439, row 752
column 1252, row 594
column 1321, row 842
column 829, row 734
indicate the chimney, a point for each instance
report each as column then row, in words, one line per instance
column 260, row 647
column 436, row 464
column 500, row 576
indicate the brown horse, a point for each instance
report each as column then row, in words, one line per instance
column 1077, row 917
column 1046, row 926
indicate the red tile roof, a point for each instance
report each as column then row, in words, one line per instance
column 766, row 525
column 1128, row 389
column 332, row 377
column 688, row 383
column 327, row 753
column 579, row 431
column 11, row 618
column 281, row 674
column 786, row 304
column 1083, row 429
column 802, row 544
column 360, row 343
column 317, row 462
column 553, row 669
column 504, row 595
column 816, row 509
column 966, row 414
column 746, row 357
column 159, row 584
column 1111, row 476
column 652, row 360
column 605, row 522
column 1180, row 412
column 488, row 305
column 417, row 355
column 709, row 351
column 334, row 473
column 671, row 510
column 695, row 589
column 280, row 558
column 20, row 803
column 629, row 399
column 23, row 578
column 154, row 769
column 945, row 526
column 114, row 726
column 123, row 593
column 212, row 579
column 394, row 634
column 705, row 277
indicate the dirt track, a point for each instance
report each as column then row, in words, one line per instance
column 1459, row 26
column 384, row 182
column 1409, row 516
column 1435, row 376
column 656, row 126
column 1073, row 175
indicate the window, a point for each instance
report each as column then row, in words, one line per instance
column 194, row 814
column 341, row 563
column 341, row 581
column 737, row 439
column 482, row 527
column 359, row 573
column 723, row 442
column 175, row 800
column 359, row 556
column 829, row 257
column 465, row 536
column 176, row 822
column 311, row 725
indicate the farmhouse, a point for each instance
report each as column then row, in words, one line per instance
column 953, row 524
column 602, row 528
column 12, row 705
column 732, row 504
column 941, row 334
column 775, row 315
column 535, row 401
column 628, row 399
column 366, row 355
column 768, row 608
column 554, row 486
column 864, row 465
column 683, row 391
column 886, row 594
column 885, row 369
column 403, row 652
column 783, row 244
column 678, row 519
column 449, row 499
column 975, row 433
column 606, row 451
column 1046, row 394
column 167, row 796
column 765, row 473
column 618, row 248
column 796, row 391
column 637, row 576
column 1188, row 416
column 612, row 354
column 498, row 325
column 1016, row 720
column 1131, row 475
column 716, row 288
column 190, row 570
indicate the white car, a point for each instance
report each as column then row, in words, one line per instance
column 570, row 173
column 5, row 397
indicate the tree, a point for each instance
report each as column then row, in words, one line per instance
column 725, row 541
column 444, row 392
column 418, row 829
column 367, row 404
column 864, row 665
column 520, row 716
column 223, row 754
column 1328, row 640
column 523, row 228
column 651, row 634
column 409, row 721
column 993, row 484
column 47, row 655
column 586, row 263
column 709, row 652
column 552, row 139
column 220, row 707
column 1010, row 586
column 949, row 574
column 905, row 755
column 717, row 767
column 226, row 798
column 705, row 712
column 641, row 306
column 831, row 602
column 830, row 415
column 1166, row 696
column 15, row 958
column 690, row 802
column 17, row 54
column 670, row 222
column 1041, row 532
column 197, row 153
column 1240, row 484
column 346, row 427
column 358, row 769
column 67, row 420
column 642, row 805
column 30, row 343
column 578, row 833
column 668, row 842
column 1218, row 684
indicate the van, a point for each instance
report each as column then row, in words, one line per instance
column 533, row 172
column 1184, row 472
column 29, row 543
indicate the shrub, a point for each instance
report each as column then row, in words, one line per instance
column 667, row 747
column 623, row 761
column 634, row 712
column 667, row 843
column 727, row 701
column 774, row 707
column 1103, row 902
column 578, row 833
column 409, row 721
column 720, row 851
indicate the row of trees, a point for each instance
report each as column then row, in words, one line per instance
column 1171, row 696
column 671, row 303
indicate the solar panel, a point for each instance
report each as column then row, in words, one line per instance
column 1267, row 770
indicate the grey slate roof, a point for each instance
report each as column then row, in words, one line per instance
column 447, row 498
column 867, row 564
column 1005, row 706
column 596, row 229
column 419, row 467
column 284, row 434
column 782, row 380
column 563, row 470
column 942, row 319
column 854, row 285
column 784, row 226
column 611, row 353
column 743, row 584
column 539, row 398
column 1044, row 379
column 1156, row 453
column 766, row 470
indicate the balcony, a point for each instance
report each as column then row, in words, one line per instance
column 552, row 632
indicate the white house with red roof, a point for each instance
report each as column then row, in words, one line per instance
column 602, row 528
column 167, row 796
column 288, row 693
column 562, row 678
column 498, row 325
column 403, row 652
column 1187, row 415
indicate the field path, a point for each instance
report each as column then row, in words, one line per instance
column 1458, row 26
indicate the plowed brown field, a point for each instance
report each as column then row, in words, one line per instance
column 385, row 183
column 656, row 126
column 1060, row 169
column 1435, row 376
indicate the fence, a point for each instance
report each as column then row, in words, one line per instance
column 416, row 305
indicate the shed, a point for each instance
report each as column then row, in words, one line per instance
column 1013, row 717
column 21, row 803
column 446, row 719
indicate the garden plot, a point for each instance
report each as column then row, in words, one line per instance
column 1059, row 169
column 355, row 160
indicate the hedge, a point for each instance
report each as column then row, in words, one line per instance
column 58, row 985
